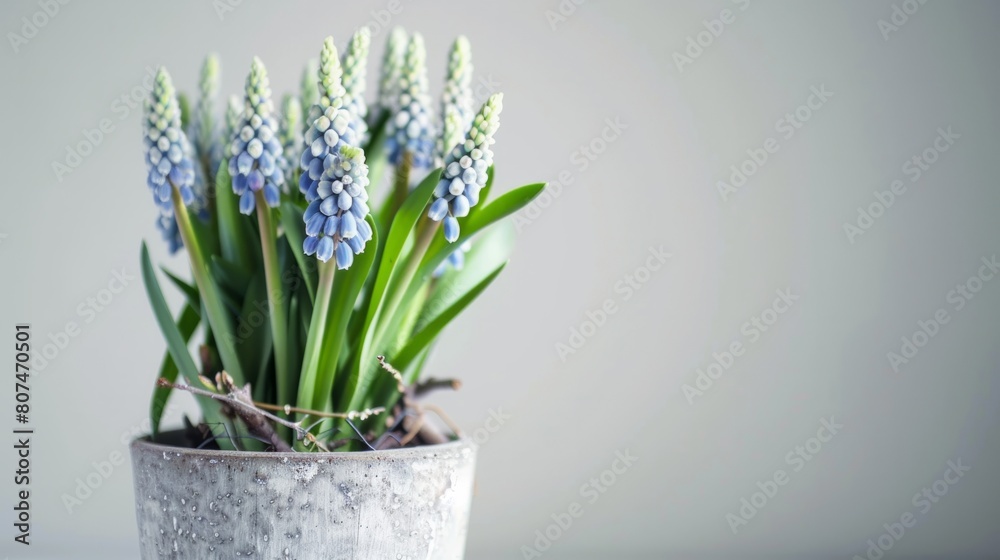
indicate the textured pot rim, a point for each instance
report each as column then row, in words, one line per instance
column 143, row 443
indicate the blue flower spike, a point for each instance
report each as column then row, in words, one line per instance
column 392, row 64
column 466, row 169
column 255, row 152
column 330, row 123
column 234, row 112
column 335, row 219
column 457, row 111
column 167, row 225
column 410, row 128
column 308, row 90
column 168, row 153
column 355, row 64
column 204, row 126
column 290, row 128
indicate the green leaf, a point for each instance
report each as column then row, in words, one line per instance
column 186, row 324
column 505, row 205
column 402, row 225
column 439, row 248
column 190, row 292
column 375, row 155
column 253, row 336
column 484, row 195
column 296, row 337
column 207, row 236
column 291, row 222
column 215, row 314
column 176, row 345
column 231, row 278
column 422, row 338
column 490, row 250
column 418, row 365
column 237, row 240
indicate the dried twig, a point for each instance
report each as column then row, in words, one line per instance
column 253, row 417
column 444, row 417
column 421, row 388
column 400, row 386
column 410, row 416
column 349, row 415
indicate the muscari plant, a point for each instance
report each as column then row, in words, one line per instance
column 317, row 297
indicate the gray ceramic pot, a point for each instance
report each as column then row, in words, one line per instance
column 399, row 504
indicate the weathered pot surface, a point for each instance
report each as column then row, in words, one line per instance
column 408, row 503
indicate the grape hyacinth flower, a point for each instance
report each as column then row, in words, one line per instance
column 355, row 64
column 455, row 260
column 234, row 111
column 335, row 219
column 290, row 129
column 392, row 63
column 452, row 133
column 255, row 153
column 168, row 154
column 466, row 170
column 167, row 225
column 409, row 130
column 199, row 186
column 330, row 126
column 204, row 127
column 308, row 88
column 457, row 111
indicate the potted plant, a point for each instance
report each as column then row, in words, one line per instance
column 317, row 308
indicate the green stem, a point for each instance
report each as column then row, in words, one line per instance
column 215, row 309
column 317, row 326
column 401, row 184
column 275, row 298
column 425, row 234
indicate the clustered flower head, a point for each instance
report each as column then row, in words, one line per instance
column 308, row 89
column 234, row 112
column 290, row 128
column 392, row 64
column 335, row 218
column 409, row 130
column 456, row 100
column 255, row 160
column 455, row 260
column 168, row 154
column 330, row 126
column 204, row 125
column 167, row 225
column 355, row 66
column 466, row 169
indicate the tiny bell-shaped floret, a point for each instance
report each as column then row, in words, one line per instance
column 168, row 154
column 335, row 219
column 456, row 101
column 290, row 128
column 255, row 152
column 410, row 128
column 330, row 123
column 355, row 64
column 392, row 64
column 466, row 170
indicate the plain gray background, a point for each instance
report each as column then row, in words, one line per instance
column 653, row 185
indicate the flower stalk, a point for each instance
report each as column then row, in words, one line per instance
column 211, row 297
column 275, row 299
